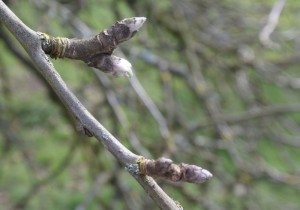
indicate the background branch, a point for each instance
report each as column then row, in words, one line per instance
column 30, row 40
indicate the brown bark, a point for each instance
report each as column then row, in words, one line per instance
column 96, row 51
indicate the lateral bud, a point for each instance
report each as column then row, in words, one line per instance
column 111, row 64
column 96, row 51
column 165, row 168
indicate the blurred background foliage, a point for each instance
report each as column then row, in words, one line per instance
column 210, row 89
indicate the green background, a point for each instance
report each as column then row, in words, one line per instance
column 46, row 164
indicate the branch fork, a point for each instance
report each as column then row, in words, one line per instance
column 96, row 51
column 85, row 50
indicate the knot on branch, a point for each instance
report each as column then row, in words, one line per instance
column 96, row 51
column 165, row 168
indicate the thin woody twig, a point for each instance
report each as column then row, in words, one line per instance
column 96, row 51
column 85, row 31
column 157, row 115
column 31, row 41
column 261, row 112
column 134, row 81
column 264, row 35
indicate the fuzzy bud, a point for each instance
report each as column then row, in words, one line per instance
column 111, row 64
column 194, row 174
column 134, row 24
column 165, row 168
column 121, row 67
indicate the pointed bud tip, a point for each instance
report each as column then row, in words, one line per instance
column 134, row 23
column 207, row 174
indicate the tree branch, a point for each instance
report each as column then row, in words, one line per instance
column 265, row 33
column 96, row 51
column 31, row 41
column 262, row 112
